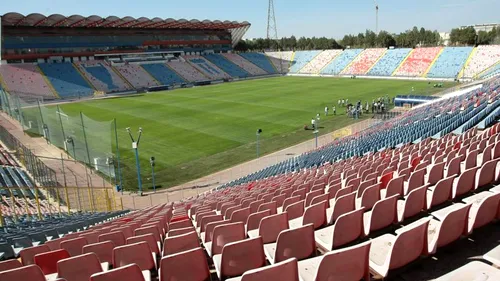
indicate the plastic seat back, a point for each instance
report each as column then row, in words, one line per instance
column 9, row 264
column 279, row 199
column 442, row 192
column 148, row 238
column 416, row 180
column 180, row 231
column 290, row 201
column 240, row 215
column 181, row 224
column 130, row 272
column 74, row 246
column 465, row 182
column 224, row 234
column 486, row 211
column 415, row 235
column 315, row 214
column 208, row 219
column 395, row 187
column 454, row 167
column 271, row 226
column 103, row 250
column 370, row 196
column 342, row 205
column 384, row 213
column 348, row 228
column 209, row 230
column 332, row 264
column 241, row 256
column 453, row 225
column 180, row 243
column 436, row 173
column 311, row 195
column 117, row 238
column 486, row 173
column 254, row 219
column 92, row 237
column 287, row 246
column 272, row 206
column 415, row 202
column 30, row 272
column 285, row 270
column 148, row 230
column 138, row 253
column 295, row 210
column 27, row 254
column 79, row 268
column 189, row 265
column 48, row 261
column 126, row 230
column 254, row 206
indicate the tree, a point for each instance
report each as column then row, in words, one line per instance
column 384, row 39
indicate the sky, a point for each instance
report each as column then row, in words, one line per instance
column 329, row 18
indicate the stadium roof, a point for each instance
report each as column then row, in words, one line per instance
column 237, row 29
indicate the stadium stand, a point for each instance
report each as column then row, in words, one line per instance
column 320, row 61
column 450, row 62
column 483, row 58
column 417, row 63
column 389, row 62
column 206, row 67
column 25, row 80
column 136, row 75
column 187, row 71
column 362, row 63
column 163, row 74
column 491, row 72
column 226, row 65
column 244, row 64
column 281, row 60
column 260, row 60
column 301, row 58
column 66, row 80
column 102, row 76
column 341, row 62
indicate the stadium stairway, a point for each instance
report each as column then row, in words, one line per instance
column 449, row 63
column 66, row 79
column 227, row 66
column 261, row 61
column 163, row 74
column 340, row 62
column 244, row 64
column 402, row 62
column 433, row 62
column 389, row 62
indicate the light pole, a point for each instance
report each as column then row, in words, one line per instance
column 152, row 162
column 135, row 147
column 258, row 136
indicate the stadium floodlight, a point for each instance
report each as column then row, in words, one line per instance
column 135, row 147
column 259, row 131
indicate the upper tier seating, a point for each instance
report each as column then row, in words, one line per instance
column 163, row 74
column 362, row 63
column 66, row 80
column 244, row 64
column 341, row 61
column 281, row 60
column 320, row 61
column 302, row 58
column 206, row 67
column 25, row 80
column 136, row 75
column 418, row 62
column 100, row 74
column 260, row 60
column 450, row 62
column 483, row 58
column 187, row 71
column 226, row 65
column 389, row 62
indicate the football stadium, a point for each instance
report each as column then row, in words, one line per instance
column 153, row 148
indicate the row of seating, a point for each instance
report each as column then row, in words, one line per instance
column 187, row 71
column 300, row 59
column 320, row 61
column 418, row 61
column 362, row 63
column 450, row 62
column 206, row 67
column 389, row 62
column 136, row 75
column 481, row 59
column 25, row 80
column 341, row 61
column 102, row 76
column 66, row 80
column 260, row 60
column 244, row 64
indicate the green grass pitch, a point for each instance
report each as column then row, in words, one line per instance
column 195, row 132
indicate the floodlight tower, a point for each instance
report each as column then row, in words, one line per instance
column 272, row 29
column 376, row 16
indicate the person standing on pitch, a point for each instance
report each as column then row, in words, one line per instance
column 334, row 110
column 326, row 110
column 313, row 123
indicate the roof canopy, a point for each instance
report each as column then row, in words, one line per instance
column 56, row 20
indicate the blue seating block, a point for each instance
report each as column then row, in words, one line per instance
column 302, row 58
column 341, row 61
column 66, row 80
column 389, row 62
column 450, row 62
column 260, row 60
column 163, row 74
column 227, row 66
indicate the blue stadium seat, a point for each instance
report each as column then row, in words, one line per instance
column 389, row 62
column 302, row 58
column 260, row 60
column 163, row 74
column 227, row 66
column 66, row 80
column 450, row 62
column 341, row 61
